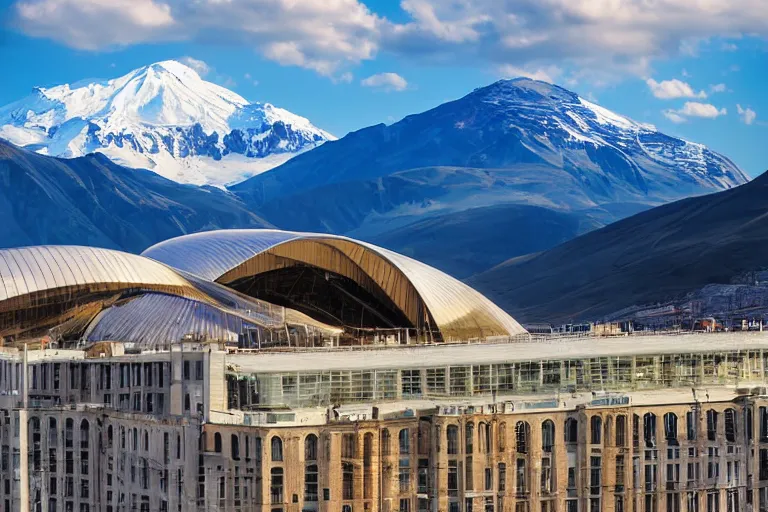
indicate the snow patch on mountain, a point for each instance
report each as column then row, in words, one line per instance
column 163, row 117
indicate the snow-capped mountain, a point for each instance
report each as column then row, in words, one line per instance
column 163, row 117
column 464, row 170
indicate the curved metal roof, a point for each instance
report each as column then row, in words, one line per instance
column 29, row 270
column 459, row 311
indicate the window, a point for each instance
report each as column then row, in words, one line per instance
column 235, row 447
column 198, row 370
column 453, row 479
column 571, row 431
column 469, row 434
column 452, row 433
column 347, row 481
column 310, row 448
column 385, row 441
column 547, row 436
column 763, row 419
column 404, row 476
column 690, row 426
column 488, row 479
column 620, row 473
column 621, row 430
column 521, row 483
column 217, row 442
column 404, row 441
column 730, row 425
column 595, row 429
column 502, row 476
column 276, row 484
column 670, row 428
column 310, row 483
column 649, row 429
column 187, row 403
column 522, row 436
column 277, row 449
column 712, row 425
column 546, row 475
column 502, row 437
column 594, row 475
column 186, row 370
column 84, row 431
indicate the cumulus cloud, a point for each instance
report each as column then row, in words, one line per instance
column 671, row 89
column 747, row 115
column 317, row 34
column 694, row 109
column 623, row 36
column 606, row 37
column 201, row 67
column 386, row 81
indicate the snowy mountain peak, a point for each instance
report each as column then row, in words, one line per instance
column 163, row 117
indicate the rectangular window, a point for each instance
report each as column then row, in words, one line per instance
column 198, row 370
column 594, row 475
column 453, row 479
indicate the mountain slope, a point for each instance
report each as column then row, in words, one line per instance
column 92, row 201
column 515, row 142
column 653, row 256
column 161, row 117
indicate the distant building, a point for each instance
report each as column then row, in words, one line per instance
column 272, row 371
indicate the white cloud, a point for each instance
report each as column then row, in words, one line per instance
column 747, row 115
column 729, row 47
column 603, row 36
column 545, row 74
column 601, row 39
column 386, row 81
column 671, row 89
column 323, row 35
column 694, row 109
column 674, row 116
column 248, row 77
column 199, row 66
column 717, row 88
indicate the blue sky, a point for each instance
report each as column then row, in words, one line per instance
column 694, row 69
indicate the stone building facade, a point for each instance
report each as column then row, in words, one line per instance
column 155, row 431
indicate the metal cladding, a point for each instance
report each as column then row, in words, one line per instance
column 225, row 256
column 34, row 270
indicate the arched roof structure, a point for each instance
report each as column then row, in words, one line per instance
column 422, row 293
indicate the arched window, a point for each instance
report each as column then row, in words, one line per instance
column 502, row 437
column 404, row 439
column 277, row 449
column 712, row 425
column 730, row 425
column 469, row 438
column 69, row 427
column 217, row 442
column 670, row 428
column 53, row 433
column 452, row 433
column 482, row 446
column 522, row 436
column 385, row 442
column 621, row 430
column 547, row 436
column 235, row 447
column 310, row 447
column 34, row 424
column 85, row 429
column 595, row 429
column 608, row 431
column 649, row 429
column 571, row 431
column 488, row 437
